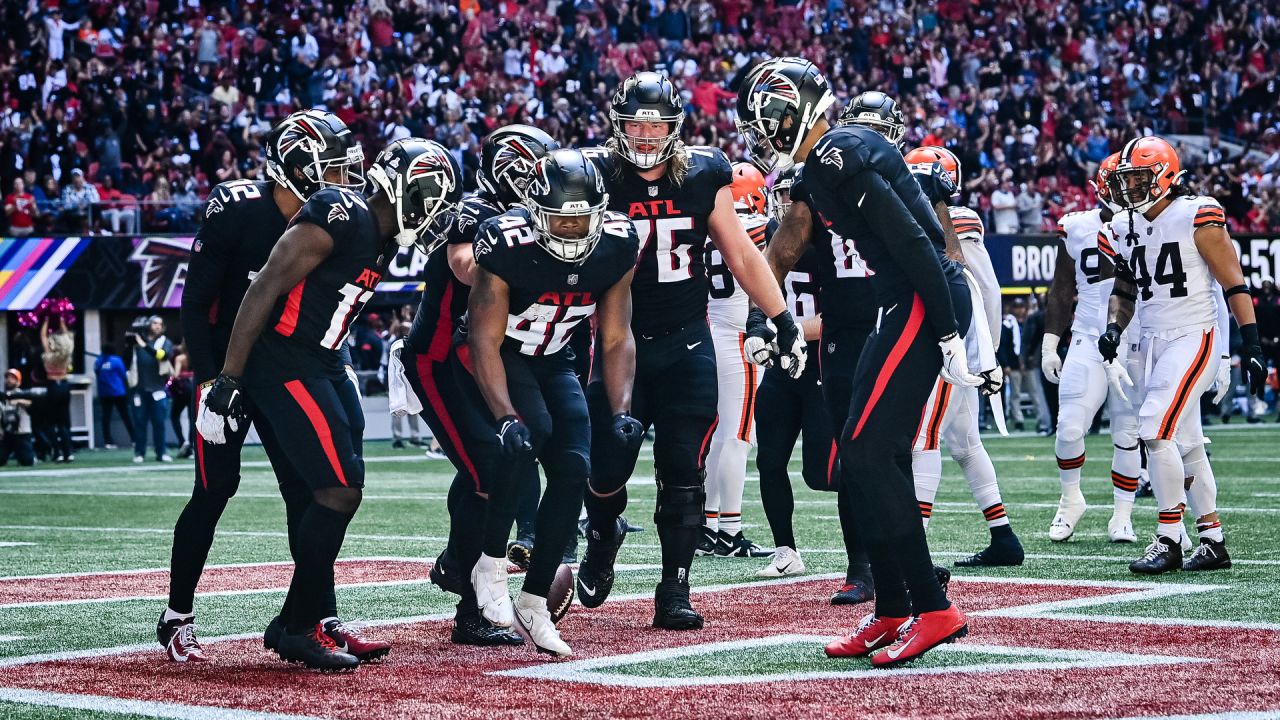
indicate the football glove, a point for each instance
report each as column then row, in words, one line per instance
column 1109, row 343
column 955, row 362
column 992, row 381
column 628, row 431
column 514, row 436
column 789, row 346
column 1251, row 361
column 1050, row 363
column 1118, row 378
column 1222, row 384
column 220, row 408
column 759, row 336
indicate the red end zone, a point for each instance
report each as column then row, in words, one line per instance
column 427, row 677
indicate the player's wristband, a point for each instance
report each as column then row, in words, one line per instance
column 1237, row 290
column 1125, row 295
column 1249, row 335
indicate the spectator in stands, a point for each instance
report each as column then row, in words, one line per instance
column 113, row 392
column 20, row 209
column 78, row 199
column 152, row 366
column 58, row 347
column 1004, row 209
column 117, row 209
column 1030, row 208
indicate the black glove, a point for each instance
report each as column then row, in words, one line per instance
column 226, row 397
column 514, row 436
column 1109, row 343
column 757, row 325
column 460, row 329
column 628, row 431
column 1251, row 361
column 791, row 348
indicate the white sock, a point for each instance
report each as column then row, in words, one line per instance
column 1202, row 495
column 1165, row 466
column 926, row 466
column 169, row 614
column 980, row 473
column 730, row 472
column 730, row 523
column 1126, row 466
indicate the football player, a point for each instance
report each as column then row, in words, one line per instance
column 739, row 377
column 678, row 197
column 308, row 151
column 297, row 310
column 543, row 269
column 439, row 374
column 1169, row 247
column 858, row 182
column 951, row 413
column 849, row 316
column 1084, row 274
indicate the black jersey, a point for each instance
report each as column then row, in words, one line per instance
column 312, row 320
column 548, row 296
column 444, row 299
column 669, row 290
column 860, row 186
column 241, row 224
column 801, row 286
column 844, row 282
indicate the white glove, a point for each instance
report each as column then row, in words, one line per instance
column 1118, row 378
column 1050, row 363
column 1222, row 385
column 758, row 350
column 955, row 362
column 212, row 426
column 794, row 358
column 992, row 381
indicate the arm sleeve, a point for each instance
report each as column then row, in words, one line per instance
column 910, row 247
column 215, row 244
column 344, row 354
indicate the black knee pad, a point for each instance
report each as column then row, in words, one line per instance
column 679, row 505
column 569, row 466
column 344, row 500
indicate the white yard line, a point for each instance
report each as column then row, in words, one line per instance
column 106, row 703
column 138, row 571
column 234, row 533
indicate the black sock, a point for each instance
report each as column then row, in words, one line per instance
column 1001, row 532
column 296, row 502
column 678, row 545
column 320, row 536
column 557, row 523
column 467, row 512
column 504, row 499
column 853, row 547
column 603, row 512
column 192, row 538
column 892, row 599
column 779, row 504
column 917, row 570
column 527, row 510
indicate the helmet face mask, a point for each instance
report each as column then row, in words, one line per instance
column 567, row 185
column 1147, row 171
column 309, row 147
column 646, row 98
column 420, row 181
column 779, row 102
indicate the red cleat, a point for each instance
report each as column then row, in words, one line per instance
column 925, row 632
column 872, row 634
column 351, row 640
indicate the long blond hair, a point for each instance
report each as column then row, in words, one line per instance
column 677, row 164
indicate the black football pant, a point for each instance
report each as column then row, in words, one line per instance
column 550, row 401
column 841, row 348
column 794, row 408
column 675, row 393
column 895, row 375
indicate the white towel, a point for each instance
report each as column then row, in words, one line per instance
column 402, row 399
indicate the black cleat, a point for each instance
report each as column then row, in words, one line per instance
column 671, row 607
column 631, row 528
column 595, row 573
column 470, row 628
column 271, row 636
column 316, row 650
column 1210, row 555
column 944, row 578
column 738, row 546
column 520, row 552
column 1005, row 552
column 1163, row 555
column 858, row 586
column 447, row 577
column 706, row 543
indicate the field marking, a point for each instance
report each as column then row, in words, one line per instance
column 592, row 671
column 235, row 533
column 119, row 706
column 1229, row 715
column 219, row 566
column 157, row 494
column 15, row 544
column 12, row 638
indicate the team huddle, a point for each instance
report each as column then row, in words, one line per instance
column 582, row 299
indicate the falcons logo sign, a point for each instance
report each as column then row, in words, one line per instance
column 430, row 163
column 164, row 270
column 772, row 84
column 298, row 133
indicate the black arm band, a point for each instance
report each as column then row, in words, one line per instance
column 1237, row 290
column 1125, row 295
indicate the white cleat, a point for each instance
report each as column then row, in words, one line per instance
column 786, row 561
column 1120, row 527
column 1070, row 510
column 489, row 580
column 533, row 619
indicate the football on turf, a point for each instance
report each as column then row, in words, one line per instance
column 560, row 597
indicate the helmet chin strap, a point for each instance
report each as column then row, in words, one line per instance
column 404, row 237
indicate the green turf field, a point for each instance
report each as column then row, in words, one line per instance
column 104, row 513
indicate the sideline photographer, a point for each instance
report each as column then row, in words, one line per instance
column 152, row 366
column 15, row 420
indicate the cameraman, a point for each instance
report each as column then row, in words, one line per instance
column 15, row 421
column 152, row 365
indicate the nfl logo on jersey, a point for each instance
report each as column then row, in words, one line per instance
column 573, row 279
column 653, row 191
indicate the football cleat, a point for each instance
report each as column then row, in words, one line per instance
column 316, row 650
column 489, row 580
column 872, row 634
column 1163, row 555
column 350, row 638
column 786, row 561
column 1210, row 555
column 595, row 573
column 921, row 634
column 706, row 542
column 534, row 619
column 271, row 636
column 737, row 545
column 1070, row 510
column 470, row 628
column 1004, row 552
column 444, row 575
column 1120, row 529
column 519, row 552
column 858, row 586
column 178, row 636
column 672, row 610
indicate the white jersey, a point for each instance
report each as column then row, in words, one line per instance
column 1079, row 231
column 977, row 261
column 727, row 301
column 1175, row 288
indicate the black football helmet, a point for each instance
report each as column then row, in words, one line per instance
column 566, row 183
column 780, row 191
column 778, row 103
column 877, row 111
column 507, row 158
column 423, row 183
column 312, row 142
column 646, row 97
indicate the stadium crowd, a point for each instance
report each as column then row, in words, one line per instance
column 116, row 116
